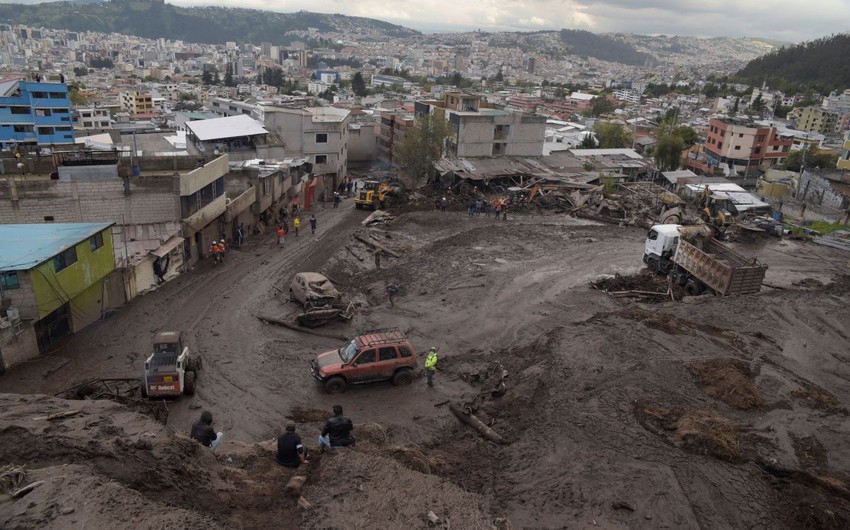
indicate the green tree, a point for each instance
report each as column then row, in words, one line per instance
column 813, row 159
column 688, row 135
column 601, row 105
column 228, row 76
column 423, row 144
column 710, row 90
column 758, row 104
column 668, row 152
column 457, row 79
column 358, row 85
column 588, row 142
column 611, row 135
column 207, row 77
column 74, row 95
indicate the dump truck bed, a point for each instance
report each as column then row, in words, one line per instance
column 719, row 267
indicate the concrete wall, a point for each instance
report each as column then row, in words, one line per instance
column 194, row 180
column 17, row 347
column 23, row 298
column 87, row 173
column 363, row 144
column 818, row 190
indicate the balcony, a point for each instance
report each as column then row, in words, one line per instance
column 204, row 216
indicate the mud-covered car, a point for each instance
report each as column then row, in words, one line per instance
column 375, row 355
column 312, row 289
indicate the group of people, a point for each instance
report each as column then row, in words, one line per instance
column 290, row 449
column 280, row 232
column 217, row 250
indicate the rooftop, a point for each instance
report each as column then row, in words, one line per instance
column 25, row 246
column 222, row 128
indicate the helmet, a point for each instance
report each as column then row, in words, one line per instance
column 215, row 242
column 433, row 348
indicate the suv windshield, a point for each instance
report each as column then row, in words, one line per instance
column 349, row 352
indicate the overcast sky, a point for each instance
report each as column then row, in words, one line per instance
column 786, row 20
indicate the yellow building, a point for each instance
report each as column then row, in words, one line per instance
column 135, row 102
column 53, row 279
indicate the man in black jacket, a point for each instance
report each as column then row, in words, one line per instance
column 337, row 431
column 290, row 450
column 203, row 431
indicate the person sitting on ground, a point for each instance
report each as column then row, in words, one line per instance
column 337, row 431
column 290, row 450
column 204, row 432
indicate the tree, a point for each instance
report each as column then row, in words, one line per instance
column 710, row 90
column 228, row 76
column 758, row 104
column 668, row 152
column 457, row 79
column 688, row 135
column 601, row 105
column 358, row 85
column 423, row 144
column 611, row 135
column 207, row 77
column 588, row 142
column 813, row 159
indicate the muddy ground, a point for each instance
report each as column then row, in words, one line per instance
column 619, row 412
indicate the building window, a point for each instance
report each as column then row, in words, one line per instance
column 720, row 145
column 20, row 110
column 321, row 138
column 96, row 241
column 737, row 148
column 9, row 280
column 57, row 95
column 321, row 159
column 65, row 259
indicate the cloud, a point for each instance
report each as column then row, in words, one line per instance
column 778, row 19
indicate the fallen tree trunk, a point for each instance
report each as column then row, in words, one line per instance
column 476, row 424
column 281, row 322
column 384, row 249
column 351, row 250
column 466, row 286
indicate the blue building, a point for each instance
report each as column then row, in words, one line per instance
column 34, row 114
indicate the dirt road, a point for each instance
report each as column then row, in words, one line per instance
column 609, row 418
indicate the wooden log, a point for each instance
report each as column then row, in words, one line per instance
column 466, row 286
column 57, row 415
column 26, row 489
column 295, row 485
column 281, row 322
column 351, row 250
column 374, row 244
column 476, row 424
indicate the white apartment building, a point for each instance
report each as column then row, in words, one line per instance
column 91, row 118
column 319, row 134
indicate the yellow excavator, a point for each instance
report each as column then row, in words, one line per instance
column 374, row 195
column 715, row 210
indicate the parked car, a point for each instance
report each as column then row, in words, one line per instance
column 312, row 289
column 375, row 355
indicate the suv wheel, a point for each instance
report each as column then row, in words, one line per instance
column 403, row 377
column 189, row 383
column 335, row 385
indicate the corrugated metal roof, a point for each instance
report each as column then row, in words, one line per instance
column 24, row 246
column 223, row 128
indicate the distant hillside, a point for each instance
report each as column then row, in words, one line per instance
column 585, row 43
column 821, row 64
column 211, row 25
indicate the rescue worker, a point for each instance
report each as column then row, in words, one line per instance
column 391, row 291
column 431, row 365
column 337, row 431
column 203, row 431
column 296, row 223
column 221, row 249
column 281, row 236
column 444, row 203
column 313, row 223
column 213, row 250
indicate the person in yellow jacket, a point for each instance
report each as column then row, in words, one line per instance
column 297, row 224
column 431, row 365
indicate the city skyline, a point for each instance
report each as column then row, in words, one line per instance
column 783, row 21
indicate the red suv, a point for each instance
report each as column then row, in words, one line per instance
column 375, row 355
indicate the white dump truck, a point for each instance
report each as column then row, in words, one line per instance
column 695, row 260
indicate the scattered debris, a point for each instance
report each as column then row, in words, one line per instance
column 729, row 380
column 378, row 216
column 468, row 418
